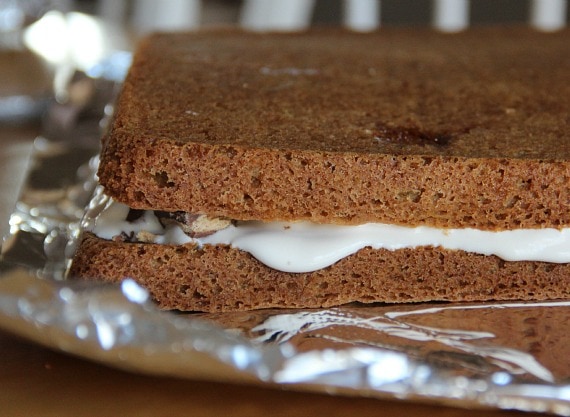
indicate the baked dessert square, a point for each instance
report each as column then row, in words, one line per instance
column 252, row 170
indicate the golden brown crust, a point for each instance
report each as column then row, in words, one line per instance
column 219, row 278
column 408, row 127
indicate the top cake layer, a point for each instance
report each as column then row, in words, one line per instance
column 401, row 126
column 481, row 93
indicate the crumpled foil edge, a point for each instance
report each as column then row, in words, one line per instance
column 120, row 326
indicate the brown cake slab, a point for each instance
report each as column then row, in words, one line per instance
column 400, row 126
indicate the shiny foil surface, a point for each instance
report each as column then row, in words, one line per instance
column 502, row 355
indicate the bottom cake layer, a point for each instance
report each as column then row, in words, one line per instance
column 220, row 278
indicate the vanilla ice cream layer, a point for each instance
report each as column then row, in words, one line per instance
column 304, row 246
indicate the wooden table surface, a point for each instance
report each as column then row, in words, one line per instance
column 36, row 381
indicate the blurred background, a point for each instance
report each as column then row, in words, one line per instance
column 390, row 12
column 43, row 42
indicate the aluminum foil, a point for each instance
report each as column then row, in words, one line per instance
column 499, row 355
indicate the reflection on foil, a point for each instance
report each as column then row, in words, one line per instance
column 283, row 327
column 119, row 325
column 504, row 355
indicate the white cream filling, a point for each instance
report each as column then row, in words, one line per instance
column 305, row 246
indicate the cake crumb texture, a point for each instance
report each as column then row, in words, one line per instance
column 220, row 278
column 401, row 126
